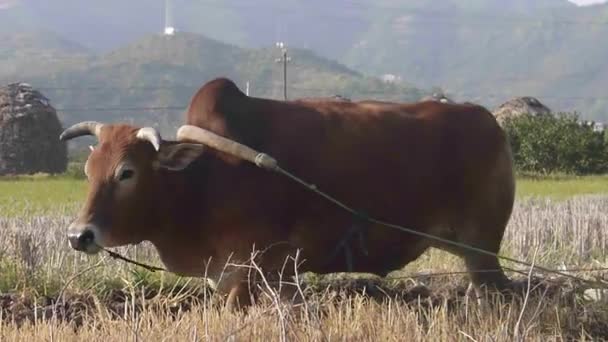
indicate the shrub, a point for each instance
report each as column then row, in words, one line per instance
column 556, row 143
column 75, row 170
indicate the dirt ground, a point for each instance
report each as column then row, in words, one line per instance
column 423, row 293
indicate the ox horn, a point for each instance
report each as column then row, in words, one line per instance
column 205, row 137
column 80, row 129
column 151, row 135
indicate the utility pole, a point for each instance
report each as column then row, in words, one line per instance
column 283, row 59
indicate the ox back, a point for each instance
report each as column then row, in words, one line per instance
column 439, row 168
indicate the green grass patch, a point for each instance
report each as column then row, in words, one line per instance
column 560, row 186
column 39, row 195
column 15, row 276
column 42, row 195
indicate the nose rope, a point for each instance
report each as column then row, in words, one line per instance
column 151, row 268
column 267, row 162
column 313, row 188
column 123, row 258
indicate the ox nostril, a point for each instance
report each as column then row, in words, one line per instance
column 84, row 241
column 86, row 238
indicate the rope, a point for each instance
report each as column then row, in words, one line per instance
column 364, row 217
column 151, row 268
column 146, row 266
column 520, row 271
column 409, row 276
column 313, row 188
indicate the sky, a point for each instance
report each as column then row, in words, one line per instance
column 587, row 2
column 9, row 3
column 4, row 4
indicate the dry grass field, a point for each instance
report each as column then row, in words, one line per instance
column 50, row 293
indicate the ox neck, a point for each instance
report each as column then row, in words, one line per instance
column 184, row 198
column 184, row 218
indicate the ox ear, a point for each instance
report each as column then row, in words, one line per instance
column 177, row 157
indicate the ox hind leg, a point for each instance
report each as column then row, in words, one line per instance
column 485, row 220
column 484, row 230
column 481, row 224
column 485, row 272
column 484, row 269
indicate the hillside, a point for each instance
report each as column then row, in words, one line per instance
column 327, row 26
column 490, row 57
column 151, row 80
column 27, row 53
column 479, row 50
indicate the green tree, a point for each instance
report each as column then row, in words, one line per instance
column 556, row 143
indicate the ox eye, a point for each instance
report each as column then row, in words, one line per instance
column 126, row 174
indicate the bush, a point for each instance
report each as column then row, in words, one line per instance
column 556, row 143
column 75, row 170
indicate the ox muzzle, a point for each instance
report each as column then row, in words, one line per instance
column 84, row 238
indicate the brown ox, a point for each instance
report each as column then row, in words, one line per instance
column 443, row 169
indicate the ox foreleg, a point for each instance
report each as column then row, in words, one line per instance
column 239, row 297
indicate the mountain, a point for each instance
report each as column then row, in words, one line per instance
column 479, row 50
column 490, row 57
column 327, row 26
column 151, row 80
column 27, row 53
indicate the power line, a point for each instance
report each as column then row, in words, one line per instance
column 103, row 87
column 330, row 91
column 356, row 93
column 126, row 109
column 119, row 109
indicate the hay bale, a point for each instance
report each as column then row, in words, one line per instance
column 29, row 133
column 519, row 106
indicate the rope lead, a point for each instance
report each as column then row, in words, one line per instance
column 267, row 162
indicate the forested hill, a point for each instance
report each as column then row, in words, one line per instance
column 151, row 80
column 486, row 51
